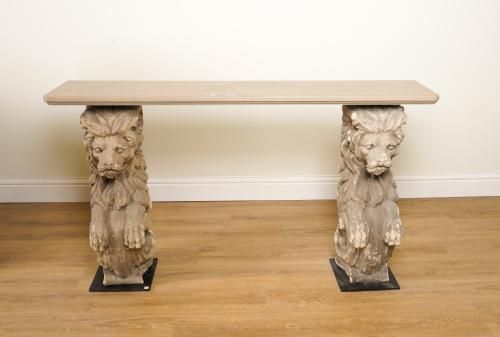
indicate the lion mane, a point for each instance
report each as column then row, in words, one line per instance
column 131, row 183
column 355, row 183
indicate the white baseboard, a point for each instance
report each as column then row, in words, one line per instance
column 249, row 188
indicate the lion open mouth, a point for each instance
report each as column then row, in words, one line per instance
column 377, row 170
column 110, row 174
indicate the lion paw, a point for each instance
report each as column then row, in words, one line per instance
column 99, row 238
column 393, row 232
column 358, row 234
column 134, row 236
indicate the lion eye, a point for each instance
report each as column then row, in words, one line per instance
column 369, row 146
column 391, row 147
column 97, row 150
column 119, row 149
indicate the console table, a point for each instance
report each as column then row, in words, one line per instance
column 369, row 226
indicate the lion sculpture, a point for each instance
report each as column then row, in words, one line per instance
column 369, row 225
column 120, row 203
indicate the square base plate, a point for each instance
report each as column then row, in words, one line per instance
column 148, row 276
column 345, row 285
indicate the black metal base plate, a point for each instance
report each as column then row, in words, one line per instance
column 345, row 285
column 148, row 276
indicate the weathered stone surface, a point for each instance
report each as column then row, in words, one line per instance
column 369, row 225
column 120, row 203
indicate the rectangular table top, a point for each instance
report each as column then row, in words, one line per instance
column 240, row 92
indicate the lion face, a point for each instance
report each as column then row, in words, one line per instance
column 376, row 151
column 111, row 155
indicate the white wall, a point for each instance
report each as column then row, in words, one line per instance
column 453, row 47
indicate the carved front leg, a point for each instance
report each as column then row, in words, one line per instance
column 393, row 229
column 134, row 233
column 393, row 232
column 99, row 235
column 356, row 227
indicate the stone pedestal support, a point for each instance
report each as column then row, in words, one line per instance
column 120, row 203
column 369, row 226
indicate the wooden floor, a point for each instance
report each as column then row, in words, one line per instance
column 229, row 269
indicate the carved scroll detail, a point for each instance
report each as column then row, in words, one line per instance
column 120, row 203
column 369, row 224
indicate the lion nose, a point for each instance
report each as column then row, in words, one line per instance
column 108, row 166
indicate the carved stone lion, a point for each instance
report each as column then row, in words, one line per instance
column 369, row 224
column 120, row 203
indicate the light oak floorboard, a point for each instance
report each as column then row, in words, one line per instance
column 253, row 269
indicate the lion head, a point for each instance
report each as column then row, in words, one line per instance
column 113, row 138
column 371, row 136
